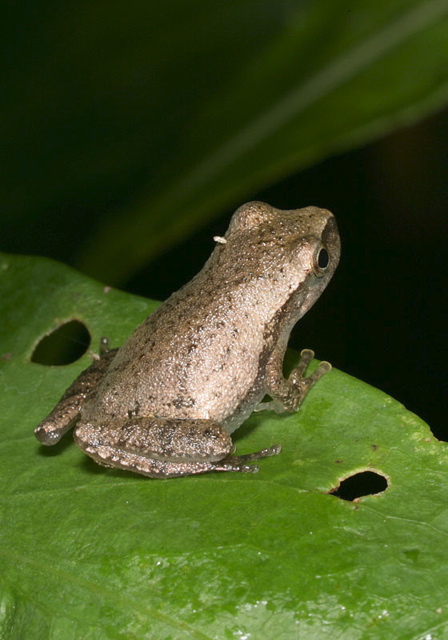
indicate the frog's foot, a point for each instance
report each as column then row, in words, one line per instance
column 297, row 377
column 238, row 463
column 164, row 448
column 257, row 455
column 287, row 395
column 300, row 385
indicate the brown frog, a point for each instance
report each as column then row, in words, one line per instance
column 166, row 402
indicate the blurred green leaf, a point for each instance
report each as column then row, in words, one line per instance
column 166, row 113
column 87, row 552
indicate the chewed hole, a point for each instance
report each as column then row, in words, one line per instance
column 361, row 484
column 64, row 345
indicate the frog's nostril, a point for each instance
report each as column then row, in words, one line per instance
column 360, row 484
column 64, row 345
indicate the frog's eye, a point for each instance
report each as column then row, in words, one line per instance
column 321, row 261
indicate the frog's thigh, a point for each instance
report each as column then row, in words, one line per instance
column 156, row 447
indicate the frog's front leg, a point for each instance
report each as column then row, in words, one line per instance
column 66, row 412
column 164, row 447
column 288, row 393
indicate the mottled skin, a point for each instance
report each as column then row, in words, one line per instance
column 165, row 403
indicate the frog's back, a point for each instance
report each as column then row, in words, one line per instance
column 196, row 356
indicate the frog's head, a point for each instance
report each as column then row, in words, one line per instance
column 307, row 238
column 294, row 252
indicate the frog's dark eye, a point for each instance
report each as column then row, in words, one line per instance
column 321, row 261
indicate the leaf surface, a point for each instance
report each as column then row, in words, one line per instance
column 88, row 552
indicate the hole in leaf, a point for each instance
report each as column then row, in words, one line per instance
column 64, row 345
column 365, row 483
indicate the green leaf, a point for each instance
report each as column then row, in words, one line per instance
column 170, row 112
column 87, row 552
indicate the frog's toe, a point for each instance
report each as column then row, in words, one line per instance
column 238, row 463
column 231, row 465
column 258, row 455
column 247, row 468
column 275, row 450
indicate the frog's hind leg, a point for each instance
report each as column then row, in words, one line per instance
column 163, row 447
column 66, row 412
column 257, row 455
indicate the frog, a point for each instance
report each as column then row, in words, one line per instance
column 166, row 403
